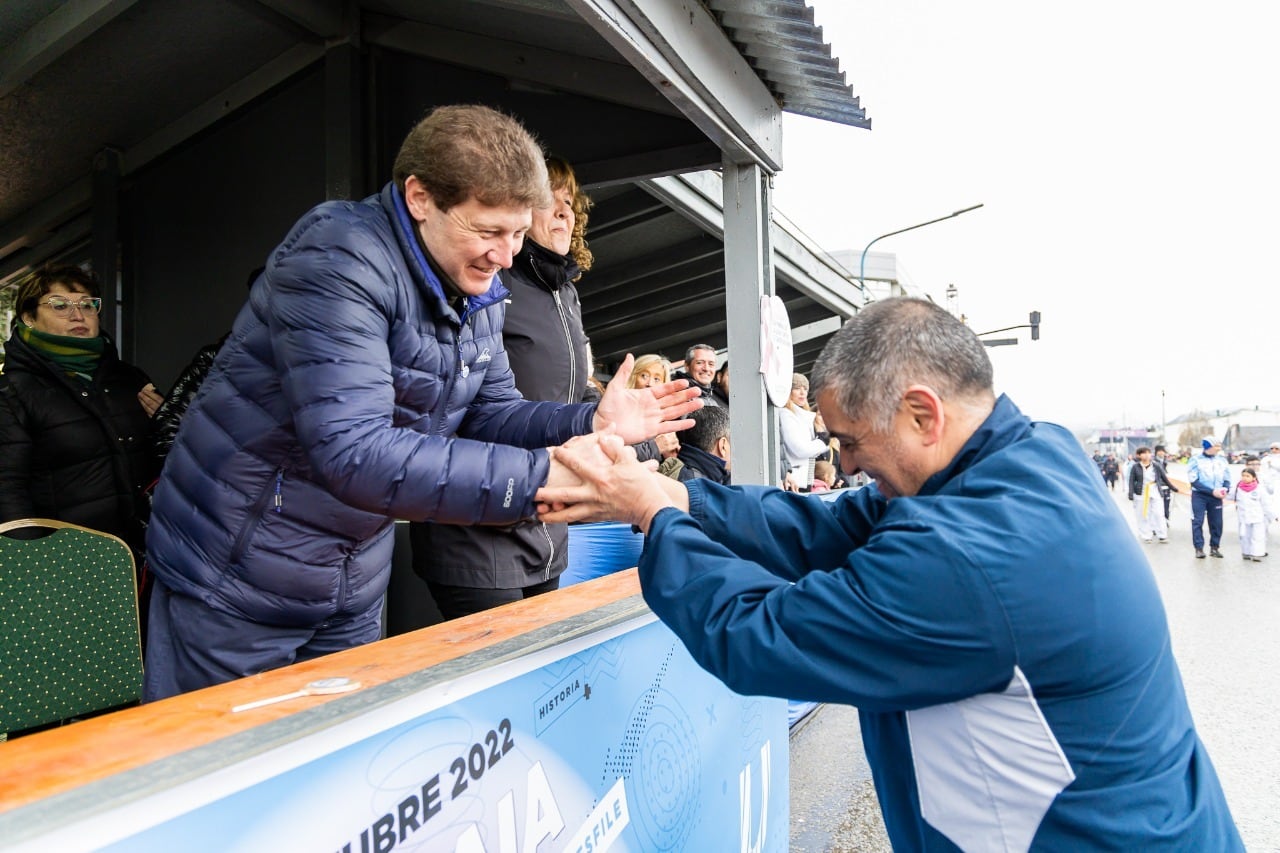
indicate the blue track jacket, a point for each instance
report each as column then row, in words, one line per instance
column 1001, row 634
column 1206, row 473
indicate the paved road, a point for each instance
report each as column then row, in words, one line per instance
column 1224, row 615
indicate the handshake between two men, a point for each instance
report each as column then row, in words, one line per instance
column 597, row 477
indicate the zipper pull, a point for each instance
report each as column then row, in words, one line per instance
column 279, row 499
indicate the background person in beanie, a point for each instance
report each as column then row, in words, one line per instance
column 1210, row 481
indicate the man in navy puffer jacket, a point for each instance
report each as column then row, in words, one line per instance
column 364, row 381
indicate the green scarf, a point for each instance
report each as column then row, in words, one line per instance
column 77, row 357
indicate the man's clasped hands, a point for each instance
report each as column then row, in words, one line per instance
column 597, row 477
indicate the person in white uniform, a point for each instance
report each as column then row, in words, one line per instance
column 1147, row 480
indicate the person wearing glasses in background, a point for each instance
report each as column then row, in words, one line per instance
column 75, row 420
column 1269, row 469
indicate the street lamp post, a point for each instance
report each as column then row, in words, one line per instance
column 1163, row 426
column 862, row 264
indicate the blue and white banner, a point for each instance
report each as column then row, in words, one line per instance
column 622, row 745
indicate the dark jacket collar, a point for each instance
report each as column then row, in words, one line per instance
column 543, row 267
column 708, row 465
column 1002, row 427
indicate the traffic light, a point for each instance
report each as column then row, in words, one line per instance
column 1035, row 325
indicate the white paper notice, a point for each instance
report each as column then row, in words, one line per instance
column 776, row 357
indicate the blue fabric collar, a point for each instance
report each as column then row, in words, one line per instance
column 409, row 239
column 1003, row 426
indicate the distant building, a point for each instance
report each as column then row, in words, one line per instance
column 1249, row 439
column 1246, row 430
column 1121, row 442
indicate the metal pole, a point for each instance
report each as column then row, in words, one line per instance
column 862, row 264
column 1163, row 439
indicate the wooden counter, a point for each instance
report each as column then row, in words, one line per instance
column 569, row 721
column 57, row 761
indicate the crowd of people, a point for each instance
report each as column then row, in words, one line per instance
column 368, row 378
column 1209, row 484
column 420, row 355
column 273, row 443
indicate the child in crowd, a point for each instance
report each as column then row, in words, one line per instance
column 1254, row 513
column 824, row 476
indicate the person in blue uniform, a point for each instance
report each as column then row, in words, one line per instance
column 982, row 604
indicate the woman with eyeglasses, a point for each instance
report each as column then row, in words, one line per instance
column 75, row 420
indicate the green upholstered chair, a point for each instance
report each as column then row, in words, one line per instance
column 69, row 638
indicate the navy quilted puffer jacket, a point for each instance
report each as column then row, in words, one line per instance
column 349, row 394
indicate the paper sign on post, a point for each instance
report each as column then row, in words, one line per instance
column 777, row 361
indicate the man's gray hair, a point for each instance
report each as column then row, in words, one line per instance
column 688, row 354
column 887, row 347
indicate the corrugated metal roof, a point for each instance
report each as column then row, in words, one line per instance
column 781, row 42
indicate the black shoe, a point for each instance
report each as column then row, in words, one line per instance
column 1214, row 552
column 1199, row 554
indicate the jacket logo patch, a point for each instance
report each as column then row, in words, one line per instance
column 511, row 490
column 484, row 356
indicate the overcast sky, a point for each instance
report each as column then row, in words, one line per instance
column 1126, row 154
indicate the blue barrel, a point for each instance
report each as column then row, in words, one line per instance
column 600, row 548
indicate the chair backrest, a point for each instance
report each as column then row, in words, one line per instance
column 69, row 637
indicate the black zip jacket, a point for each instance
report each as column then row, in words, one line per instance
column 73, row 451
column 547, row 349
column 1135, row 479
column 169, row 416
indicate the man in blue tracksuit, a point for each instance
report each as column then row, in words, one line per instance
column 1210, row 480
column 982, row 604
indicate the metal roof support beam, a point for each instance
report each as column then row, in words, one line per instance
column 648, row 164
column 322, row 19
column 344, row 132
column 748, row 257
column 816, row 329
column 52, row 243
column 30, row 228
column 235, row 96
column 801, row 262
column 57, row 33
column 606, row 81
column 105, row 244
column 685, row 54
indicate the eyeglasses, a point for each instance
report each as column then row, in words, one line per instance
column 62, row 306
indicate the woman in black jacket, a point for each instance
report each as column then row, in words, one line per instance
column 469, row 569
column 75, row 420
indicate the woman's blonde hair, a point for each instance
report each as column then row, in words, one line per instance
column 646, row 361
column 798, row 381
